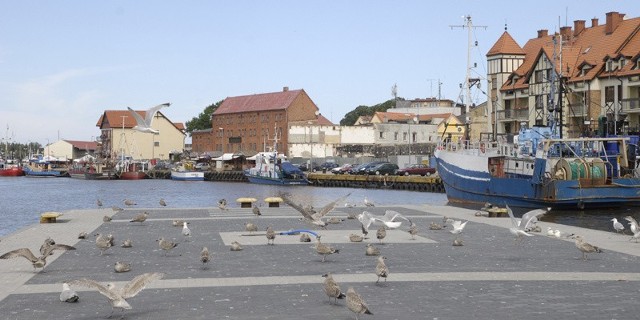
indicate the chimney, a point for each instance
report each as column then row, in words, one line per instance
column 542, row 33
column 578, row 27
column 613, row 20
column 285, row 89
column 594, row 22
column 565, row 32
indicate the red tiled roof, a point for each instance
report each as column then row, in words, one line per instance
column 114, row 118
column 90, row 145
column 505, row 45
column 258, row 102
column 403, row 117
column 324, row 121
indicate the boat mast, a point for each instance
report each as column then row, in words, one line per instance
column 468, row 81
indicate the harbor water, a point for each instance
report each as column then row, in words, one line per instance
column 23, row 199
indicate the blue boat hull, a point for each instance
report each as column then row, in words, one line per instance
column 272, row 181
column 472, row 186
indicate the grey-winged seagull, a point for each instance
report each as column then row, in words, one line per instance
column 144, row 125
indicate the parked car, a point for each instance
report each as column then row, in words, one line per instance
column 305, row 167
column 328, row 166
column 382, row 168
column 421, row 169
column 364, row 168
column 341, row 169
column 202, row 166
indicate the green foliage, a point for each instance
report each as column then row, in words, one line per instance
column 203, row 120
column 351, row 117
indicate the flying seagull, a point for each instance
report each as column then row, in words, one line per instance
column 144, row 125
column 389, row 220
column 308, row 214
column 635, row 229
column 36, row 262
column 519, row 228
column 118, row 296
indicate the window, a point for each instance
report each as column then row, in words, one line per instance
column 395, row 136
column 404, row 136
column 156, row 144
column 381, row 135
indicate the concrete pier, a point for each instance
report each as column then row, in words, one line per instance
column 490, row 277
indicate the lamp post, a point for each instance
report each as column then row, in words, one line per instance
column 222, row 134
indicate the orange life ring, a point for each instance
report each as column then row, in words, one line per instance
column 482, row 149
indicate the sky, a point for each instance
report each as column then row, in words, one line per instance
column 63, row 63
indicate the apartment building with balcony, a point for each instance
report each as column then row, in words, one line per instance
column 592, row 72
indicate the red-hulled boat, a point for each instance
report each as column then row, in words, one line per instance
column 10, row 170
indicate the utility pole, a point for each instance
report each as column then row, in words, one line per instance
column 468, row 81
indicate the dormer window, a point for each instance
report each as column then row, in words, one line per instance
column 609, row 66
column 585, row 69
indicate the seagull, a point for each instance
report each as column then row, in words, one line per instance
column 103, row 243
column 129, row 202
column 82, row 235
column 177, row 223
column 381, row 233
column 127, row 243
column 635, row 229
column 256, row 211
column 163, row 203
column 559, row 234
column 271, row 236
column 355, row 237
column 519, row 228
column 68, row 295
column 458, row 226
column 141, row 217
column 617, row 225
column 250, row 227
column 457, row 242
column 324, row 249
column 204, row 256
column 48, row 242
column 144, row 125
column 99, row 203
column 222, row 204
column 381, row 269
column 331, row 288
column 106, row 219
column 185, row 230
column 166, row 245
column 585, row 247
column 122, row 266
column 117, row 297
column 334, row 220
column 368, row 203
column 389, row 220
column 235, row 246
column 413, row 230
column 309, row 215
column 550, row 232
column 116, row 209
column 371, row 250
column 356, row 304
column 38, row 262
column 435, row 226
column 305, row 237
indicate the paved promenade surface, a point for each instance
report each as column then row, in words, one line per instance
column 490, row 277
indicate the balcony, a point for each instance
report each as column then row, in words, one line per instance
column 513, row 115
column 631, row 105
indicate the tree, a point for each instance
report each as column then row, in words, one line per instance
column 351, row 117
column 203, row 120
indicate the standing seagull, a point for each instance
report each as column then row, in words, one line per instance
column 204, row 256
column 256, row 210
column 355, row 303
column 585, row 247
column 68, row 295
column 413, row 230
column 235, row 246
column 166, row 245
column 129, row 202
column 163, row 203
column 381, row 233
column 324, row 249
column 144, row 125
column 368, row 203
column 331, row 288
column 99, row 203
column 222, row 204
column 381, row 269
column 118, row 296
column 141, row 217
column 617, row 225
column 39, row 262
column 185, row 230
column 103, row 243
column 271, row 235
column 309, row 215
column 251, row 227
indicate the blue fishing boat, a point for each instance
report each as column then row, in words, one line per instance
column 273, row 168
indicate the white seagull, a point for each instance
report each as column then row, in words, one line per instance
column 458, row 226
column 617, row 225
column 635, row 229
column 144, row 125
column 389, row 220
column 185, row 230
column 520, row 228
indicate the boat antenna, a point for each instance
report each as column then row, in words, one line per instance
column 468, row 81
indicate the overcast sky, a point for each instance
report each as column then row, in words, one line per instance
column 62, row 63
